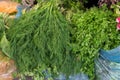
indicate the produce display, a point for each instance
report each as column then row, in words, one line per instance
column 57, row 39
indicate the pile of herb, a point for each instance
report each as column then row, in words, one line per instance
column 93, row 29
column 41, row 38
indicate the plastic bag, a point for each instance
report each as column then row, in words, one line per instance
column 111, row 55
column 61, row 77
column 7, row 67
column 107, row 66
column 19, row 11
column 8, row 7
column 79, row 76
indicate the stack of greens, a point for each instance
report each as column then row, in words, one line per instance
column 94, row 29
column 41, row 38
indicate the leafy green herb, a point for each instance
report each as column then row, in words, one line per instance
column 93, row 29
column 40, row 38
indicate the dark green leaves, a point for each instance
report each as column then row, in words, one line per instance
column 40, row 37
